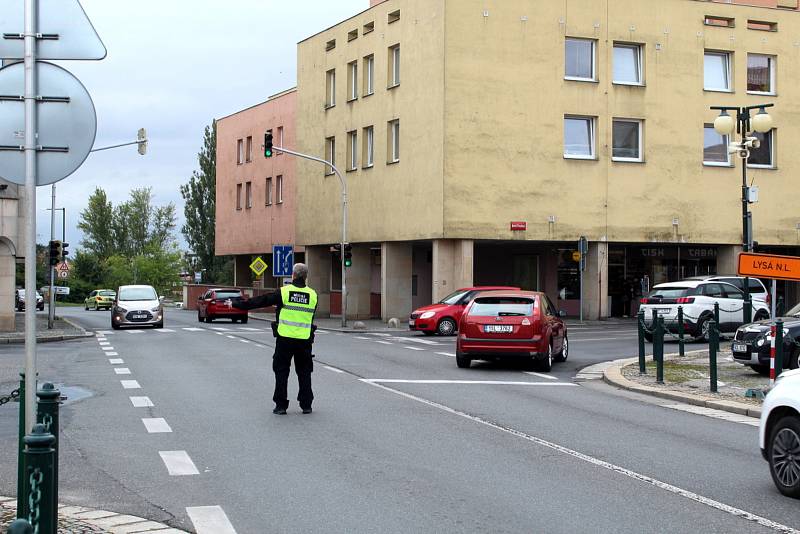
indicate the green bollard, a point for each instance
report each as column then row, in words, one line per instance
column 22, row 485
column 653, row 328
column 716, row 312
column 681, row 349
column 778, row 347
column 39, row 470
column 748, row 309
column 713, row 347
column 640, row 323
column 658, row 350
column 47, row 414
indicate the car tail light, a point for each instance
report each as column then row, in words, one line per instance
column 643, row 301
column 769, row 298
column 686, row 300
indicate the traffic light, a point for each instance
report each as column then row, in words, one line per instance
column 142, row 139
column 55, row 252
column 268, row 144
column 64, row 251
column 348, row 256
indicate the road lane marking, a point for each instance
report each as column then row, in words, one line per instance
column 178, row 463
column 193, row 329
column 106, row 348
column 156, row 425
column 248, row 329
column 210, row 520
column 220, row 333
column 716, row 414
column 450, row 354
column 220, row 329
column 116, row 361
column 136, row 331
column 103, row 332
column 379, row 334
column 122, row 370
column 231, row 337
column 102, row 338
column 736, row 512
column 164, row 330
column 335, row 370
column 540, row 375
column 416, row 340
column 104, row 343
column 413, row 348
column 468, row 382
column 130, row 384
column 244, row 341
column 360, row 337
column 141, row 402
column 382, row 342
column 112, row 353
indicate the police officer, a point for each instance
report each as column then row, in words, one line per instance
column 294, row 330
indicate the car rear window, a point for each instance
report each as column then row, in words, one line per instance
column 228, row 294
column 108, row 293
column 502, row 306
column 670, row 292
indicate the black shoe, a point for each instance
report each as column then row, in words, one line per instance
column 279, row 411
column 307, row 410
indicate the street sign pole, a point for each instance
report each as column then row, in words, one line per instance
column 30, row 212
column 52, row 296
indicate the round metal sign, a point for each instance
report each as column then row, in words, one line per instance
column 67, row 123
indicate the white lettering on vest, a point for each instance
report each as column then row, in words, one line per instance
column 298, row 298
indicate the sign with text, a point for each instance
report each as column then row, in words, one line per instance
column 519, row 226
column 769, row 266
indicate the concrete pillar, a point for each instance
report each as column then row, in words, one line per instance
column 396, row 273
column 7, row 283
column 595, row 282
column 242, row 275
column 359, row 283
column 453, row 261
column 728, row 259
column 318, row 260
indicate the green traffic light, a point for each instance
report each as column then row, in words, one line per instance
column 348, row 263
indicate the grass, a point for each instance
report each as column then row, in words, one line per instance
column 678, row 373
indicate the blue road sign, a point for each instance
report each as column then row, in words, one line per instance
column 282, row 260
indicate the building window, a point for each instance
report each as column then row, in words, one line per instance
column 330, row 45
column 369, row 75
column 330, row 88
column 280, row 139
column 717, row 71
column 248, row 195
column 352, row 81
column 579, row 137
column 760, row 74
column 352, row 35
column 238, row 196
column 628, row 64
column 239, row 152
column 394, row 66
column 352, row 150
column 249, row 154
column 330, row 154
column 268, row 194
column 626, row 140
column 368, row 158
column 722, row 22
column 715, row 148
column 394, row 16
column 279, row 189
column 394, row 141
column 579, row 59
column 369, row 27
column 764, row 155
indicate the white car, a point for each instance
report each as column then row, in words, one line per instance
column 697, row 297
column 137, row 306
column 779, row 433
column 757, row 288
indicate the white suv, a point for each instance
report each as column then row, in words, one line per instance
column 757, row 288
column 779, row 433
column 697, row 297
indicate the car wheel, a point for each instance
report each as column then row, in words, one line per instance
column 446, row 327
column 703, row 327
column 763, row 370
column 85, row 306
column 462, row 361
column 244, row 320
column 564, row 354
column 783, row 454
column 114, row 325
column 761, row 315
column 209, row 319
column 547, row 364
column 428, row 332
column 159, row 325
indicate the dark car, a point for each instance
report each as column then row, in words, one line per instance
column 19, row 300
column 512, row 324
column 212, row 305
column 751, row 345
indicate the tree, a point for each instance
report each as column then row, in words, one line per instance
column 200, row 211
column 96, row 224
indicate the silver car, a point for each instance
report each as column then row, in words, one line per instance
column 137, row 306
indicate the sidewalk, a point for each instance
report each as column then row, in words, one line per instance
column 79, row 520
column 63, row 329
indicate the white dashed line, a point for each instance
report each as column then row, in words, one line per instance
column 103, row 332
column 416, row 340
column 450, row 354
column 333, row 369
column 413, row 348
column 156, row 425
column 141, row 402
column 116, row 361
column 382, row 342
column 380, row 334
column 220, row 329
column 122, row 370
column 220, row 333
column 231, row 337
column 248, row 329
column 164, row 330
column 178, row 463
column 102, row 343
column 360, row 337
column 210, row 520
column 106, row 348
column 112, row 353
column 466, row 382
column 135, row 331
column 540, row 375
column 130, row 384
column 193, row 329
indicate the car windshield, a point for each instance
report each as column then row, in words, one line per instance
column 794, row 312
column 108, row 293
column 669, row 292
column 502, row 306
column 452, row 298
column 137, row 293
column 228, row 294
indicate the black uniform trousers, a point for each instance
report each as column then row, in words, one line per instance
column 285, row 350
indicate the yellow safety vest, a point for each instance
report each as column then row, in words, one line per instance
column 297, row 312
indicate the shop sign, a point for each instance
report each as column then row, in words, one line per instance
column 769, row 266
column 701, row 253
column 519, row 226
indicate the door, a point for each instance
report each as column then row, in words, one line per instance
column 717, row 295
column 525, row 272
column 734, row 305
column 551, row 323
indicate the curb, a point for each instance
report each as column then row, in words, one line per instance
column 101, row 519
column 613, row 376
column 82, row 333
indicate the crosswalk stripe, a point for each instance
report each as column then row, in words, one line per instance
column 220, row 329
column 135, row 331
column 116, row 361
column 122, row 370
column 413, row 348
column 130, row 384
column 193, row 329
column 164, row 330
column 141, row 402
column 450, row 354
column 210, row 520
column 156, row 425
column 178, row 463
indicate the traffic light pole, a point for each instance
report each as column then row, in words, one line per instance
column 344, row 220
column 51, row 307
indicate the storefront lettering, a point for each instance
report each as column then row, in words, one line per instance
column 702, row 252
column 653, row 252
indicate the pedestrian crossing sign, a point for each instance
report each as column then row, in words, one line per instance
column 258, row 266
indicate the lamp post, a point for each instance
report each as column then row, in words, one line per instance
column 745, row 124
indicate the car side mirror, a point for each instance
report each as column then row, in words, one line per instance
column 562, row 313
column 161, row 298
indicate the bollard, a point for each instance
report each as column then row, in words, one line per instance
column 713, row 347
column 716, row 312
column 748, row 309
column 658, row 350
column 778, row 347
column 20, row 526
column 22, row 486
column 681, row 350
column 653, row 328
column 47, row 414
column 640, row 322
column 39, row 470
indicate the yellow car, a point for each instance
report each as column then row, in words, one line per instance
column 100, row 299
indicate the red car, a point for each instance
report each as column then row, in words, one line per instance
column 512, row 324
column 211, row 305
column 444, row 316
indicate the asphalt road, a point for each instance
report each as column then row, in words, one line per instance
column 400, row 440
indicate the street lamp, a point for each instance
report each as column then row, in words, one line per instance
column 744, row 124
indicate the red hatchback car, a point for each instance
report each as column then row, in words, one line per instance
column 512, row 324
column 211, row 305
column 443, row 317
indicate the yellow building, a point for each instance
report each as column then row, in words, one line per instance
column 481, row 139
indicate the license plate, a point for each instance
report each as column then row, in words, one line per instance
column 739, row 347
column 139, row 316
column 411, row 322
column 663, row 311
column 498, row 328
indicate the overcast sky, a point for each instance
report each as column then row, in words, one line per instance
column 172, row 67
